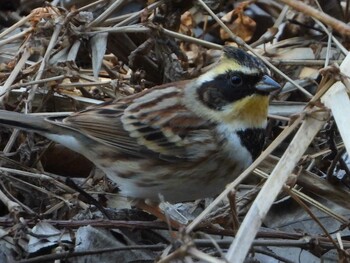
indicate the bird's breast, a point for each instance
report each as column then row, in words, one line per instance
column 232, row 146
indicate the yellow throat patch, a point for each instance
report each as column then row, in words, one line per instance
column 251, row 110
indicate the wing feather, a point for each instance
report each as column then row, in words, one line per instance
column 156, row 122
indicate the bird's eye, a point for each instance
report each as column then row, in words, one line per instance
column 236, row 80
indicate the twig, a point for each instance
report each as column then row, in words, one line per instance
column 272, row 187
column 308, row 199
column 40, row 81
column 58, row 26
column 38, row 176
column 15, row 37
column 301, row 62
column 39, row 189
column 203, row 256
column 301, row 203
column 133, row 224
column 65, row 255
column 334, row 39
column 273, row 255
column 114, row 6
column 15, row 200
column 93, row 4
column 142, row 29
column 6, row 87
column 337, row 99
column 17, row 25
column 136, row 15
column 13, row 207
column 335, row 24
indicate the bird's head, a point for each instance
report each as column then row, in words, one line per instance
column 234, row 91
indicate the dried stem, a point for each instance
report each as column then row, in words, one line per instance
column 335, row 24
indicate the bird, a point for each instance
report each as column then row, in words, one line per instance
column 183, row 141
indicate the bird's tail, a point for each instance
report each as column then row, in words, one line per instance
column 52, row 129
column 26, row 122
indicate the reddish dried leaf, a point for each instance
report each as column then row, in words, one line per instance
column 243, row 26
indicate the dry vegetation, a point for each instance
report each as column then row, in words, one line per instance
column 63, row 56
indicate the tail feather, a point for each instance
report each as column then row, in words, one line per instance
column 26, row 122
column 56, row 132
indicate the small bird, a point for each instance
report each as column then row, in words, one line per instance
column 185, row 140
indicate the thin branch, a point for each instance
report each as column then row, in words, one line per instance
column 65, row 255
column 308, row 10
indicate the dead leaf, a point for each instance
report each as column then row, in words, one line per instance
column 243, row 26
column 186, row 26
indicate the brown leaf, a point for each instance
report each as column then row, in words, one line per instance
column 243, row 26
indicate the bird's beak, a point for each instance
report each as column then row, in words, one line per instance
column 267, row 84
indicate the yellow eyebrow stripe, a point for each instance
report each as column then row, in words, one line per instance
column 231, row 65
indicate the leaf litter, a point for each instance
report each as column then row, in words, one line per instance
column 64, row 56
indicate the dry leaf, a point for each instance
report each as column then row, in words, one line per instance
column 243, row 26
column 186, row 25
column 42, row 13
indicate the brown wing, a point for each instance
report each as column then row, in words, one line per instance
column 154, row 122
